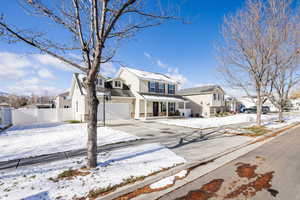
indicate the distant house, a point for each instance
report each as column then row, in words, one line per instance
column 205, row 101
column 248, row 102
column 119, row 106
column 63, row 100
column 5, row 115
column 155, row 94
column 232, row 104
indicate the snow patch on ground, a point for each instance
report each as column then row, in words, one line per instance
column 38, row 139
column 215, row 121
column 32, row 182
column 288, row 120
column 168, row 181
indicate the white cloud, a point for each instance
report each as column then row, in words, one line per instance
column 108, row 69
column 32, row 85
column 45, row 73
column 147, row 55
column 13, row 66
column 44, row 59
column 161, row 64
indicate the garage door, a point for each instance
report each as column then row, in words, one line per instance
column 114, row 111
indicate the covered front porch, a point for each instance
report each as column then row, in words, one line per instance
column 154, row 106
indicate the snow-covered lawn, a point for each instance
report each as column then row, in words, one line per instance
column 114, row 168
column 31, row 140
column 288, row 120
column 214, row 121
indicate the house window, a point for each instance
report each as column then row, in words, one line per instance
column 151, row 86
column 99, row 81
column 161, row 88
column 117, row 84
column 171, row 106
column 215, row 96
column 219, row 97
column 163, row 106
column 171, row 89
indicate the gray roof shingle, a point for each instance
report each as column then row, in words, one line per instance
column 199, row 90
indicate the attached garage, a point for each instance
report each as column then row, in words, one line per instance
column 115, row 111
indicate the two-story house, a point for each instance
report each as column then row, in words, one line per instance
column 155, row 94
column 205, row 101
column 63, row 100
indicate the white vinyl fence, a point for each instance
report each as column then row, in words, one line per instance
column 5, row 117
column 28, row 116
column 114, row 111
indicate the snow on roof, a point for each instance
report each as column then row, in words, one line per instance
column 162, row 98
column 150, row 75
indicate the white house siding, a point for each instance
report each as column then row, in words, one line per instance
column 62, row 103
column 78, row 104
column 130, row 80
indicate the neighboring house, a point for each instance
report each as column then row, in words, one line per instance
column 232, row 104
column 119, row 106
column 155, row 94
column 63, row 100
column 205, row 101
column 251, row 101
column 295, row 104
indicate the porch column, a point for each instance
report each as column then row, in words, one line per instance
column 167, row 109
column 145, row 115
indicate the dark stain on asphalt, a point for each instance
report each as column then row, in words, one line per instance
column 206, row 192
column 256, row 183
column 273, row 192
column 246, row 170
column 261, row 182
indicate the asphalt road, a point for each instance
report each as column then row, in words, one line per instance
column 271, row 171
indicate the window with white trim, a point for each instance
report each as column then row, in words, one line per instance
column 117, row 84
column 171, row 89
column 161, row 88
column 171, row 106
column 163, row 106
column 152, row 86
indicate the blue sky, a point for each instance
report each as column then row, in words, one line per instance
column 184, row 51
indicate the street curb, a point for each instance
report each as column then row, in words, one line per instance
column 152, row 179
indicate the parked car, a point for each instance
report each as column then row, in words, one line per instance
column 253, row 109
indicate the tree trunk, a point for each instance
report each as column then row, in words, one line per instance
column 280, row 113
column 258, row 110
column 92, row 125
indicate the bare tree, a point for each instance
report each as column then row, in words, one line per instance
column 285, row 61
column 95, row 26
column 246, row 51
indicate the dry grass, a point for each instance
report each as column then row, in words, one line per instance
column 258, row 130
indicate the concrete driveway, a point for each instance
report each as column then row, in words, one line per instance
column 190, row 143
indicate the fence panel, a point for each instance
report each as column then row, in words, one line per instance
column 5, row 117
column 29, row 116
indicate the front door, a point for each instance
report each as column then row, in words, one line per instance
column 155, row 108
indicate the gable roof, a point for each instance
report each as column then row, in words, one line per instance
column 115, row 92
column 148, row 75
column 199, row 90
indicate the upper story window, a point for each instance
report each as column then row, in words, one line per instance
column 171, row 89
column 117, row 84
column 151, row 86
column 99, row 82
column 161, row 88
column 215, row 96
